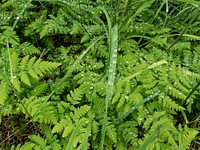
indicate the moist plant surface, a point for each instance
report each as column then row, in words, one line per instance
column 99, row 74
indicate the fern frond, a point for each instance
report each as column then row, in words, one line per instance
column 60, row 126
column 55, row 25
column 17, row 83
column 111, row 133
column 39, row 89
column 34, row 68
column 186, row 136
column 46, row 115
column 68, row 130
column 38, row 140
column 129, row 132
column 5, row 90
column 79, row 112
column 27, row 49
column 75, row 96
column 10, row 35
column 169, row 104
column 70, row 144
column 28, row 145
column 37, row 25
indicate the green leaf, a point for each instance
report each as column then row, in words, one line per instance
column 151, row 138
column 85, row 38
column 67, row 130
column 74, row 133
column 16, row 84
column 24, row 78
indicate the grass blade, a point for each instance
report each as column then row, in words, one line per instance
column 192, row 2
column 113, row 45
column 73, row 135
column 87, row 134
column 108, row 20
column 151, row 138
column 144, row 6
column 123, row 116
column 192, row 17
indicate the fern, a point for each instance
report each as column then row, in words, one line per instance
column 54, row 25
column 79, row 112
column 27, row 49
column 37, row 142
column 32, row 105
column 64, row 124
column 129, row 77
column 76, row 96
column 111, row 133
column 5, row 91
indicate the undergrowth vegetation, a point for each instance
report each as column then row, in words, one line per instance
column 99, row 74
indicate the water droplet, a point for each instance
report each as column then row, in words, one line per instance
column 109, row 82
column 135, row 135
column 167, row 6
column 126, row 97
column 115, row 50
column 114, row 55
column 114, row 62
column 110, row 70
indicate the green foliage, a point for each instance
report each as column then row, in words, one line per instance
column 101, row 74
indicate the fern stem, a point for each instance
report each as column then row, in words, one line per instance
column 185, row 117
column 10, row 61
column 7, row 41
